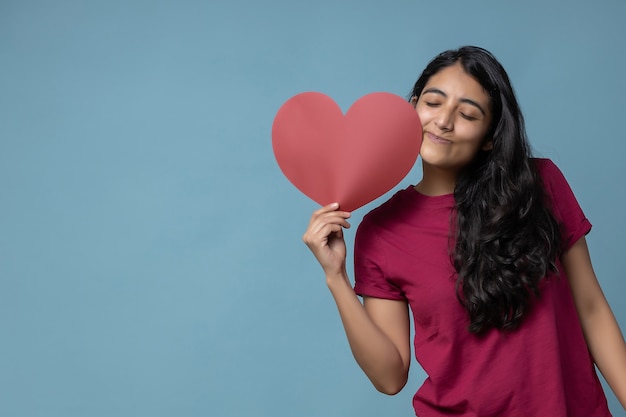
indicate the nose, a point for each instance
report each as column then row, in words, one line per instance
column 444, row 119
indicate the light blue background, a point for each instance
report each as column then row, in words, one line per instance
column 150, row 253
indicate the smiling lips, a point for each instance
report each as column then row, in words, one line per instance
column 437, row 139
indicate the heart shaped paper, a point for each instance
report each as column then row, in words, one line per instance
column 351, row 159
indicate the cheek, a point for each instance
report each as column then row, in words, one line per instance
column 472, row 134
column 425, row 114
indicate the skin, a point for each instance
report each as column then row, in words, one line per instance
column 377, row 330
column 602, row 333
column 455, row 114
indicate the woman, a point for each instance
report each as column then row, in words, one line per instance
column 488, row 251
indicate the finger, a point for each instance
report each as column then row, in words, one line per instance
column 319, row 224
column 338, row 217
column 326, row 208
column 327, row 233
column 326, row 216
column 321, row 233
column 330, row 208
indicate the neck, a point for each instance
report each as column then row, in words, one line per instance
column 436, row 181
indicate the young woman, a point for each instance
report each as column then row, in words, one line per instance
column 488, row 250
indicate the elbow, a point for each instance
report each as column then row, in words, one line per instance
column 391, row 387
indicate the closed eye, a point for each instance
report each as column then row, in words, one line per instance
column 468, row 117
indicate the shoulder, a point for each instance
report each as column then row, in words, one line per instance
column 384, row 217
column 545, row 167
column 563, row 202
column 387, row 212
column 550, row 174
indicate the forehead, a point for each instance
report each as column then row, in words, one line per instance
column 455, row 83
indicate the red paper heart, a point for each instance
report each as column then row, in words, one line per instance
column 351, row 159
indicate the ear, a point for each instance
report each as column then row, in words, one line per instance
column 488, row 145
column 413, row 101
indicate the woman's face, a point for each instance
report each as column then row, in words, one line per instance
column 455, row 113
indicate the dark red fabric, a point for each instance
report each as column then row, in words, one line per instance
column 541, row 369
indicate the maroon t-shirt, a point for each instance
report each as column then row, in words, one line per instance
column 542, row 369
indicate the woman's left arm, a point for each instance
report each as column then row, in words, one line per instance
column 603, row 335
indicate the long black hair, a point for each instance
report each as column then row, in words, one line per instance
column 505, row 239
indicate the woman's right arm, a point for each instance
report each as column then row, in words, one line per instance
column 378, row 330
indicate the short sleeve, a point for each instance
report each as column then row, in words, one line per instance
column 370, row 265
column 565, row 207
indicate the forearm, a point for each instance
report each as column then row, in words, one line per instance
column 604, row 338
column 373, row 350
column 607, row 346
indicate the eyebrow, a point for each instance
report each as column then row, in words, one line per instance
column 463, row 100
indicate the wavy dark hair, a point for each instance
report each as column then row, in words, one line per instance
column 505, row 238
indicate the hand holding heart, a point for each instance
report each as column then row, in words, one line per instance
column 351, row 159
column 324, row 237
